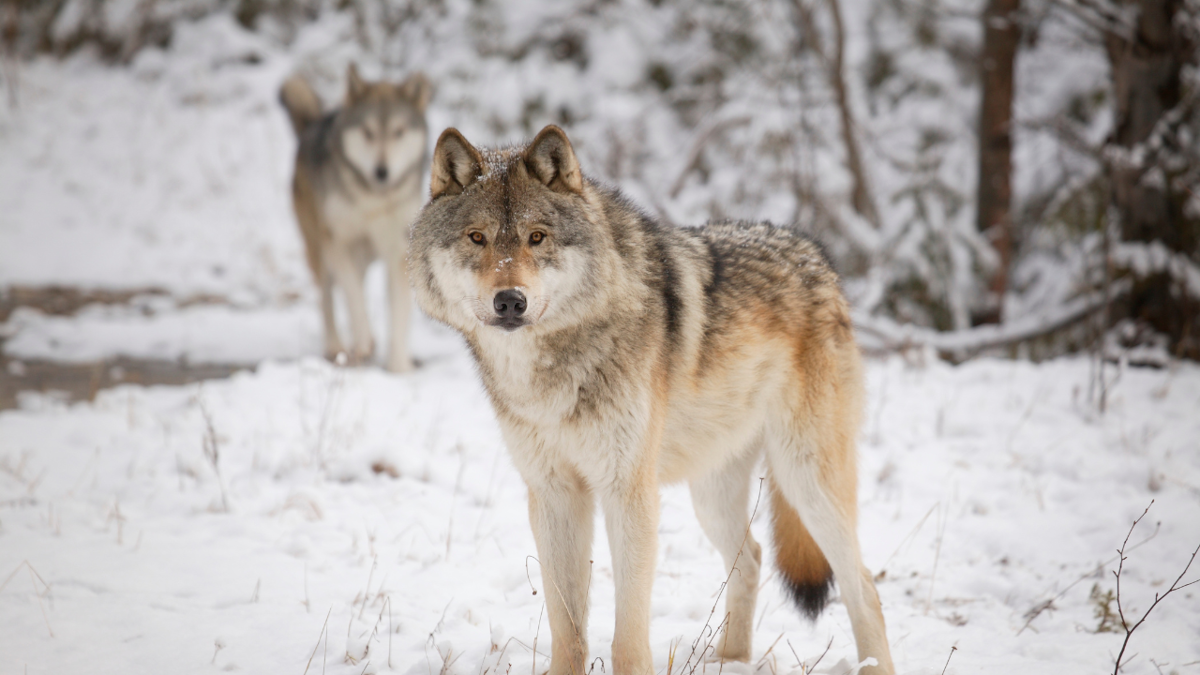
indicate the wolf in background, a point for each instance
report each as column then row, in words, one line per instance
column 620, row 353
column 356, row 188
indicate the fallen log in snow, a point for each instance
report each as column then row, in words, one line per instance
column 884, row 335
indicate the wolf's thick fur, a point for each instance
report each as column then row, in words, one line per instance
column 356, row 188
column 620, row 353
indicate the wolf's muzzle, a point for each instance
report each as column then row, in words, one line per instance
column 510, row 305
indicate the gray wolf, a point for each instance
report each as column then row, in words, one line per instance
column 356, row 188
column 620, row 353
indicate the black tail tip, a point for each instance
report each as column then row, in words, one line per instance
column 810, row 598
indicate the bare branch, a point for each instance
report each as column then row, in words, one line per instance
column 702, row 139
column 886, row 335
column 1175, row 586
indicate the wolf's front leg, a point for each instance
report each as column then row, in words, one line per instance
column 631, row 517
column 561, row 513
column 333, row 343
column 348, row 272
column 399, row 307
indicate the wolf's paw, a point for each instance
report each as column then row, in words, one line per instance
column 362, row 355
column 334, row 350
column 399, row 365
column 728, row 655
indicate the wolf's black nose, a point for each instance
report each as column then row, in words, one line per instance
column 509, row 303
column 381, row 173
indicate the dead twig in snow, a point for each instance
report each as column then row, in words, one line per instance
column 800, row 663
column 952, row 650
column 937, row 554
column 536, row 633
column 1048, row 605
column 34, row 578
column 212, row 452
column 1129, row 630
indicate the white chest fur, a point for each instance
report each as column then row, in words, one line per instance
column 543, row 423
column 382, row 216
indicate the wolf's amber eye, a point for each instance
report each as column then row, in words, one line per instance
column 478, row 238
column 536, row 238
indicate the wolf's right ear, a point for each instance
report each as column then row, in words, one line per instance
column 456, row 164
column 551, row 159
column 355, row 85
column 418, row 89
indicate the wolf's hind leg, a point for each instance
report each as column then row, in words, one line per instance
column 561, row 513
column 820, row 484
column 720, row 500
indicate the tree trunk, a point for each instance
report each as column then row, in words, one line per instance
column 861, row 198
column 1146, row 68
column 1001, row 34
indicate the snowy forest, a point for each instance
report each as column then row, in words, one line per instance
column 1024, row 165
column 1007, row 188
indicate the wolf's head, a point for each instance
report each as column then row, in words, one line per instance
column 381, row 128
column 510, row 238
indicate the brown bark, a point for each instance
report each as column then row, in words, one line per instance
column 1146, row 68
column 1001, row 34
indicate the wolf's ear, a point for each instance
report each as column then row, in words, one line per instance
column 456, row 164
column 551, row 159
column 355, row 85
column 418, row 90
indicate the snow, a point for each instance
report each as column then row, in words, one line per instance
column 986, row 489
column 374, row 523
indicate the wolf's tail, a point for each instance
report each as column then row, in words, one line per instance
column 302, row 104
column 805, row 571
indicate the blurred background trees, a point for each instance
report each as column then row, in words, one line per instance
column 1012, row 176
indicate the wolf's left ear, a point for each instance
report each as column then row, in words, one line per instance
column 456, row 164
column 355, row 85
column 551, row 159
column 418, row 90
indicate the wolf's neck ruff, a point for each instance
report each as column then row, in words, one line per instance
column 620, row 353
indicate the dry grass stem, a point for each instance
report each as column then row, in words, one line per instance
column 324, row 629
column 34, row 578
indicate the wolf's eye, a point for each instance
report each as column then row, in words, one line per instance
column 369, row 136
column 478, row 238
column 397, row 133
column 536, row 238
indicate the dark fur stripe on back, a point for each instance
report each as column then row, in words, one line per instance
column 669, row 280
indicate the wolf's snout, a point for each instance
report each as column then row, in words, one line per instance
column 381, row 173
column 509, row 303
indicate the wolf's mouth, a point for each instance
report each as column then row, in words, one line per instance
column 510, row 323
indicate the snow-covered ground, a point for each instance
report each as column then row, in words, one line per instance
column 305, row 517
column 388, row 505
